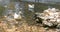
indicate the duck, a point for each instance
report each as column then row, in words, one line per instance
column 16, row 16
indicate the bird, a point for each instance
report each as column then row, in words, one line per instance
column 31, row 6
column 16, row 16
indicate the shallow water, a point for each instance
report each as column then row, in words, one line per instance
column 11, row 7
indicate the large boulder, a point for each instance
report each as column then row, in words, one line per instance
column 51, row 17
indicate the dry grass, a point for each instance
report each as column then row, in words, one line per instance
column 21, row 26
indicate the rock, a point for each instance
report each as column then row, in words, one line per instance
column 50, row 17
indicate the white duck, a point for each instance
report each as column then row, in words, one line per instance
column 16, row 16
column 31, row 6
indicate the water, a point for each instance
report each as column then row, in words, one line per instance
column 43, row 1
column 11, row 7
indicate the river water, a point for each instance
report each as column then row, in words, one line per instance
column 11, row 7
